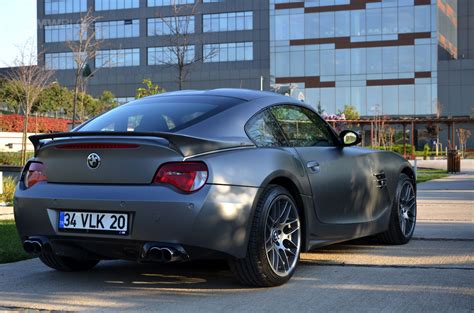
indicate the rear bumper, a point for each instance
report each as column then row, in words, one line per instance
column 214, row 218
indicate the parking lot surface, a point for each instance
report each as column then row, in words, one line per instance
column 434, row 272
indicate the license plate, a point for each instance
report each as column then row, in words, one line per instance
column 93, row 222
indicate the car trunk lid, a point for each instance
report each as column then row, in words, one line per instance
column 122, row 158
column 105, row 160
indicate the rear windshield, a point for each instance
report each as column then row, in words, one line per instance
column 160, row 114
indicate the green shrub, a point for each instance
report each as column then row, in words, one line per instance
column 430, row 153
column 9, row 186
column 13, row 158
column 395, row 148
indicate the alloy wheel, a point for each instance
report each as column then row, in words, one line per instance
column 282, row 236
column 407, row 209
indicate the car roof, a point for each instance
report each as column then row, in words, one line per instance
column 244, row 94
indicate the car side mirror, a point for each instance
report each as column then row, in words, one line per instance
column 349, row 138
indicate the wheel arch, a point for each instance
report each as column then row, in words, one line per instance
column 410, row 173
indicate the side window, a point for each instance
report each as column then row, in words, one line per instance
column 302, row 127
column 264, row 130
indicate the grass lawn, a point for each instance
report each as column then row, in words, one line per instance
column 10, row 245
column 429, row 174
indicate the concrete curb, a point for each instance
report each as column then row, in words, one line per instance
column 6, row 213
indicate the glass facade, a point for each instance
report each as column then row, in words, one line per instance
column 117, row 29
column 65, row 32
column 447, row 29
column 379, row 56
column 228, row 52
column 223, row 22
column 167, row 25
column 64, row 6
column 117, row 58
column 160, row 3
column 103, row 5
column 168, row 55
column 60, row 61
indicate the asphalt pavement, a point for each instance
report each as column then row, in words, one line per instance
column 433, row 273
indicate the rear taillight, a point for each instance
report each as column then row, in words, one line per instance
column 186, row 176
column 34, row 173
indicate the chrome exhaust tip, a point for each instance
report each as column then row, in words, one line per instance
column 32, row 246
column 28, row 246
column 158, row 252
column 37, row 247
column 155, row 254
column 168, row 254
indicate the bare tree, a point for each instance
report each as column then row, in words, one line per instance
column 181, row 52
column 463, row 135
column 27, row 80
column 84, row 49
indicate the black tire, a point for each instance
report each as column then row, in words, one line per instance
column 395, row 234
column 256, row 269
column 65, row 264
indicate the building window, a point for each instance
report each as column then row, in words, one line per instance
column 59, row 61
column 102, row 5
column 224, row 22
column 160, row 3
column 66, row 32
column 117, row 29
column 228, row 52
column 212, row 1
column 117, row 58
column 64, row 6
column 168, row 55
column 167, row 25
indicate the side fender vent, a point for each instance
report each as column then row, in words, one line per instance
column 380, row 179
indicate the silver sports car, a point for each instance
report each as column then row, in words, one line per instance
column 252, row 177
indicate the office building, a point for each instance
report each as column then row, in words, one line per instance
column 385, row 57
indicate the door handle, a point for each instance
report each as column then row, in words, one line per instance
column 313, row 166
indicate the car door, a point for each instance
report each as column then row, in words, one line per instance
column 340, row 178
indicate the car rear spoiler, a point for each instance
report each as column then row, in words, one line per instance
column 186, row 145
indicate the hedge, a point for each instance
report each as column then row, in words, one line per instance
column 14, row 123
column 13, row 158
column 395, row 148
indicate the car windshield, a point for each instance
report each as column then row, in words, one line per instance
column 160, row 114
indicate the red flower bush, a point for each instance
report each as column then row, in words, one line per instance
column 14, row 123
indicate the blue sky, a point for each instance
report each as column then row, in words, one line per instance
column 17, row 26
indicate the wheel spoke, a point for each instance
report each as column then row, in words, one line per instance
column 288, row 250
column 270, row 221
column 284, row 259
column 292, row 230
column 283, row 215
column 407, row 192
column 292, row 243
column 274, row 260
column 403, row 225
column 288, row 224
column 287, row 213
column 277, row 259
column 269, row 244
